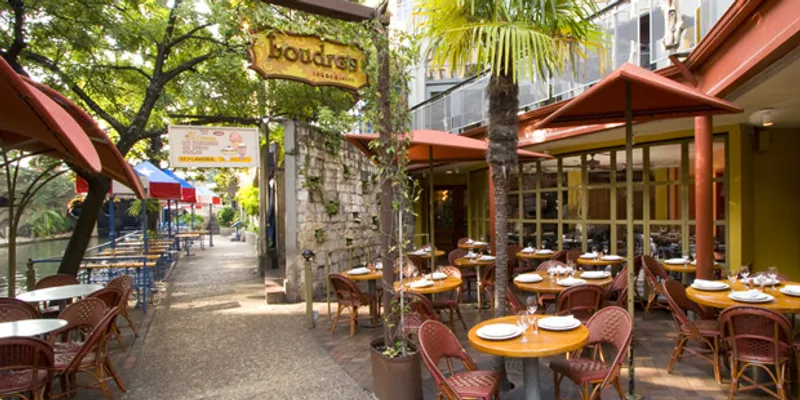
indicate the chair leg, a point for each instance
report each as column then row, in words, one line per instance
column 676, row 354
column 336, row 318
column 117, row 335
column 556, row 387
column 717, row 374
column 585, row 392
column 458, row 312
column 452, row 323
column 353, row 320
column 113, row 372
column 618, row 386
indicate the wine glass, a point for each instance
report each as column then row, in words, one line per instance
column 732, row 275
column 608, row 270
column 745, row 272
column 522, row 323
column 762, row 280
column 605, row 250
column 772, row 273
column 533, row 320
column 570, row 269
column 532, row 304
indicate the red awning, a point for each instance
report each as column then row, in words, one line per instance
column 446, row 147
column 653, row 97
column 114, row 165
column 31, row 121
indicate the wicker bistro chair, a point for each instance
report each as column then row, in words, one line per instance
column 513, row 305
column 560, row 256
column 655, row 274
column 451, row 305
column 757, row 338
column 611, row 325
column 421, row 310
column 436, row 342
column 487, row 284
column 582, row 301
column 513, row 262
column 350, row 298
column 125, row 283
column 26, row 368
column 51, row 310
column 468, row 275
column 703, row 332
column 572, row 256
column 16, row 310
column 84, row 347
column 114, row 300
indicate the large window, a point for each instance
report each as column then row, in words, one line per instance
column 580, row 200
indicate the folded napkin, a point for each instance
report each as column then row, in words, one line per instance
column 701, row 283
column 588, row 255
column 611, row 257
column 792, row 288
column 436, row 276
column 479, row 243
column 677, row 261
column 528, row 278
column 469, row 241
column 544, row 251
column 750, row 294
column 356, row 271
column 593, row 274
column 570, row 281
column 470, row 255
column 486, row 258
column 420, row 283
column 564, row 320
column 527, row 250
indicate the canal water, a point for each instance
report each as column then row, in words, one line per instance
column 36, row 250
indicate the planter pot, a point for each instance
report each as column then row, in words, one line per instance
column 395, row 378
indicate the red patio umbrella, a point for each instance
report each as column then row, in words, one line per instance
column 114, row 165
column 31, row 121
column 633, row 94
column 430, row 146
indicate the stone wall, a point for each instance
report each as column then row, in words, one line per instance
column 334, row 207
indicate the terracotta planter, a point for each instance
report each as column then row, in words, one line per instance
column 395, row 378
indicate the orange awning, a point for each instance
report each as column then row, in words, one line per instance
column 446, row 147
column 114, row 164
column 31, row 121
column 653, row 97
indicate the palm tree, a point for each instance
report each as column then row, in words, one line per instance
column 511, row 39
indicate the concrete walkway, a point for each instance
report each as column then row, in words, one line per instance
column 212, row 336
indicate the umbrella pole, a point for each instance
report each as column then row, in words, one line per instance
column 169, row 219
column 430, row 210
column 629, row 223
column 111, row 219
column 191, row 222
column 210, row 225
column 144, row 224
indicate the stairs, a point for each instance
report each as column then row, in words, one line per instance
column 274, row 292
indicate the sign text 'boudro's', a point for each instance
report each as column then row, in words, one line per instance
column 307, row 59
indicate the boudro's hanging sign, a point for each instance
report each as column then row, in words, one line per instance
column 308, row 59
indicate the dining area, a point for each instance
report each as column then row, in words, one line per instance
column 57, row 339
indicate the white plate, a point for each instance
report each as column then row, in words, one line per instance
column 676, row 261
column 470, row 256
column 498, row 332
column 594, row 275
column 437, row 276
column 527, row 250
column 763, row 299
column 528, row 278
column 570, row 282
column 545, row 251
column 358, row 271
column 423, row 283
column 611, row 258
column 551, row 326
column 588, row 256
column 479, row 243
column 486, row 258
column 789, row 292
column 379, row 266
column 711, row 287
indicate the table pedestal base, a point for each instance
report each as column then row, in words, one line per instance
column 530, row 378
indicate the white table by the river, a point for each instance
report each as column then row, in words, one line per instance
column 30, row 327
column 59, row 293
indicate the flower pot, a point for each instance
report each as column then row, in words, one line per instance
column 395, row 378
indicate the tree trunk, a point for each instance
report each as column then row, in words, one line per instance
column 502, row 157
column 82, row 234
column 387, row 193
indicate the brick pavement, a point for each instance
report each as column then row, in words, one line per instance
column 692, row 379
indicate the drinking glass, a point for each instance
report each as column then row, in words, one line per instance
column 522, row 323
column 608, row 270
column 745, row 272
column 570, row 270
column 732, row 275
column 772, row 273
column 762, row 280
column 533, row 320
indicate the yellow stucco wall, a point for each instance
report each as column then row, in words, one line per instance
column 776, row 200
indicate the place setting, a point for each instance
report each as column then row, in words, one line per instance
column 528, row 278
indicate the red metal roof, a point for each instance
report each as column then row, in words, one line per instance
column 446, row 147
column 31, row 121
column 653, row 97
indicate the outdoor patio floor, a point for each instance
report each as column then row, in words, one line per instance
column 692, row 379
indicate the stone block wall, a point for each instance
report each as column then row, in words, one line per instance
column 334, row 207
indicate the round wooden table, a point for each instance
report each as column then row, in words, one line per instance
column 477, row 264
column 534, row 256
column 545, row 343
column 548, row 286
column 372, row 289
column 783, row 304
column 30, row 327
column 439, row 286
column 598, row 262
column 473, row 245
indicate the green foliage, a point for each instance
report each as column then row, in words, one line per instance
column 320, row 235
column 247, row 197
column 332, row 207
column 135, row 210
column 225, row 216
column 186, row 219
column 226, row 182
column 46, row 222
column 518, row 38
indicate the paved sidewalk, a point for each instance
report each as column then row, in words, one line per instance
column 213, row 336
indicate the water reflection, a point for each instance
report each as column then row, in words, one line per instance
column 37, row 250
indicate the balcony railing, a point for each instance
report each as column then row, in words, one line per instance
column 626, row 23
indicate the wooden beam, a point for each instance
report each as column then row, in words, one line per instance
column 338, row 9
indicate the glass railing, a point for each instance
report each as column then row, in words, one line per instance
column 629, row 25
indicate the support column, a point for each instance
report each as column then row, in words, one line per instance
column 492, row 215
column 703, row 196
